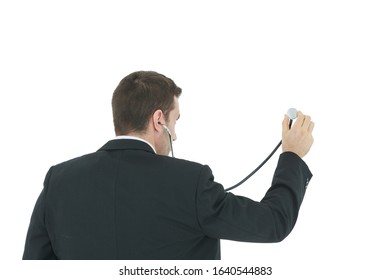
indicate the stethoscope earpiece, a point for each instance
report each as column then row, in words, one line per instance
column 170, row 136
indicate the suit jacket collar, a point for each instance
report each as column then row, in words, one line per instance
column 126, row 144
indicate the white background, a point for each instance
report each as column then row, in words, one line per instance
column 241, row 65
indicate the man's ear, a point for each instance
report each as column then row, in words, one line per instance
column 158, row 119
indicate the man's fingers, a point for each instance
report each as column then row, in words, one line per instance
column 306, row 122
column 303, row 121
column 311, row 127
column 285, row 124
column 300, row 119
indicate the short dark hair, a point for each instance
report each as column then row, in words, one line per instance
column 138, row 96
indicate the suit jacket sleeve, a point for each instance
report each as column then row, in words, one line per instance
column 38, row 245
column 227, row 216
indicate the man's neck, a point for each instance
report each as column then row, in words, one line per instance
column 137, row 137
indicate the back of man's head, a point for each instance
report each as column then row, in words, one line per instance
column 138, row 96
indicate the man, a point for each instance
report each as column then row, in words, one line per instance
column 129, row 200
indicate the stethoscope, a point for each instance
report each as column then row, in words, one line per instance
column 291, row 113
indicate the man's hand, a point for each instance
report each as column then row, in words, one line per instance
column 299, row 138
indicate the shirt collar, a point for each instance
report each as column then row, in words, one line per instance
column 135, row 138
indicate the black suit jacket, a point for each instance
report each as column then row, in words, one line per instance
column 126, row 202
